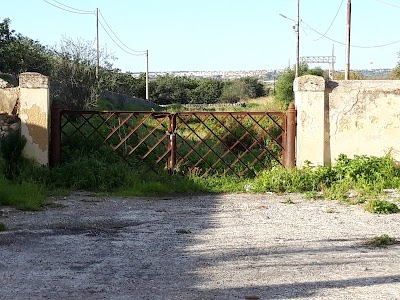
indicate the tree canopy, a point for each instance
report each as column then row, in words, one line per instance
column 19, row 53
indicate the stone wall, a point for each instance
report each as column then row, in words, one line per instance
column 8, row 124
column 355, row 117
column 9, row 109
column 27, row 108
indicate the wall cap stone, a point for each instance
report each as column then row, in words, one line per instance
column 309, row 83
column 33, row 80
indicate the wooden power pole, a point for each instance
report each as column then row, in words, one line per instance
column 147, row 74
column 298, row 39
column 97, row 41
column 347, row 67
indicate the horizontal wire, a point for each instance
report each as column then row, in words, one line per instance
column 139, row 51
column 119, row 46
column 68, row 10
column 354, row 46
column 84, row 11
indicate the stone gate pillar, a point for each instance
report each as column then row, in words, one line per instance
column 34, row 115
column 310, row 105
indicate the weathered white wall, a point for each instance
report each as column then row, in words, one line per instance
column 356, row 117
column 9, row 121
column 34, row 115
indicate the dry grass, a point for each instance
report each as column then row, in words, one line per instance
column 267, row 103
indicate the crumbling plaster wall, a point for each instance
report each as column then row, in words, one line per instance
column 35, row 115
column 356, row 117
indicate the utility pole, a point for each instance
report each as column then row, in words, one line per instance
column 347, row 67
column 333, row 61
column 147, row 74
column 297, row 39
column 97, row 40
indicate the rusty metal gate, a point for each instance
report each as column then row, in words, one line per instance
column 200, row 143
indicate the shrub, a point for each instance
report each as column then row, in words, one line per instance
column 3, row 227
column 381, row 241
column 381, row 207
column 11, row 148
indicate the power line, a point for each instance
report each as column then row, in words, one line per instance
column 341, row 43
column 83, row 11
column 119, row 46
column 140, row 51
column 331, row 23
column 388, row 3
column 69, row 10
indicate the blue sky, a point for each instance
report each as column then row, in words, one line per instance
column 218, row 34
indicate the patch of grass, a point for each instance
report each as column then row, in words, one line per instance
column 3, row 227
column 312, row 195
column 381, row 241
column 169, row 184
column 288, row 201
column 267, row 103
column 377, row 206
column 24, row 196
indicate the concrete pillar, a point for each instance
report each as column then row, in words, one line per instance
column 34, row 115
column 309, row 97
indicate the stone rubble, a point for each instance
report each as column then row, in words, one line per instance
column 8, row 124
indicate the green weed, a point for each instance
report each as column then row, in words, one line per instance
column 25, row 195
column 381, row 241
column 288, row 201
column 381, row 207
column 312, row 195
column 11, row 148
column 3, row 227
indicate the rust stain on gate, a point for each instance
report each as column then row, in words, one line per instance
column 201, row 143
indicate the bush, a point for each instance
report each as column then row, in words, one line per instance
column 381, row 207
column 11, row 148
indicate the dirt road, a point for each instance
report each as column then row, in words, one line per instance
column 198, row 247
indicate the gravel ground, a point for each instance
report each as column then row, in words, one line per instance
column 228, row 246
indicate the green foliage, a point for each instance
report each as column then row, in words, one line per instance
column 11, row 148
column 21, row 54
column 73, row 79
column 170, row 89
column 25, row 195
column 284, row 83
column 207, row 91
column 279, row 179
column 241, row 89
column 351, row 180
column 12, row 80
column 381, row 207
column 381, row 241
column 284, row 86
column 88, row 173
column 3, row 227
column 373, row 173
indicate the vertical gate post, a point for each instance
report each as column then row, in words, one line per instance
column 172, row 142
column 291, row 137
column 55, row 135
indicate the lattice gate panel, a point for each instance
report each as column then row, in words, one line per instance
column 229, row 143
column 135, row 137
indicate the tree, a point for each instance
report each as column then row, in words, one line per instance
column 284, row 84
column 170, row 89
column 207, row 91
column 21, row 54
column 73, row 78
